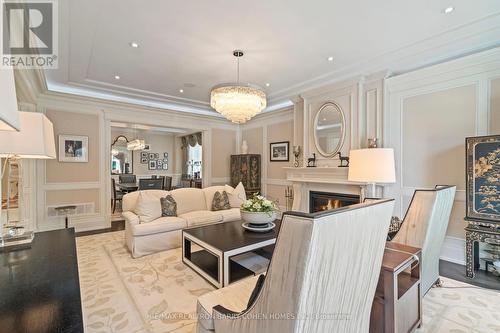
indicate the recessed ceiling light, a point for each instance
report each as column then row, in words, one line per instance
column 330, row 59
column 117, row 77
column 181, row 90
column 134, row 44
column 448, row 10
column 268, row 84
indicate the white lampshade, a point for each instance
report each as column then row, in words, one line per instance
column 372, row 165
column 9, row 114
column 34, row 140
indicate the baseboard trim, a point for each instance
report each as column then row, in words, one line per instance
column 453, row 250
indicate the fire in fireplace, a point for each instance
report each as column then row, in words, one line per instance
column 319, row 201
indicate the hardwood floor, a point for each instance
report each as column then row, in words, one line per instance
column 457, row 272
column 446, row 269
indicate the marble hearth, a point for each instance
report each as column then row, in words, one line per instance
column 322, row 179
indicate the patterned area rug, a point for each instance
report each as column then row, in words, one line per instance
column 157, row 293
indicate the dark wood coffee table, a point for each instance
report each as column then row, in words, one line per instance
column 209, row 250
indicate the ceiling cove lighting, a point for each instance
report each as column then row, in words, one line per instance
column 238, row 102
column 448, row 10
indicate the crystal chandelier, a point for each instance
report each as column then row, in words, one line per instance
column 236, row 101
column 136, row 144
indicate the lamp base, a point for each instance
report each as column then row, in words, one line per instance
column 10, row 240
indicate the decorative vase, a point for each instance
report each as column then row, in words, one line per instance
column 244, row 147
column 258, row 217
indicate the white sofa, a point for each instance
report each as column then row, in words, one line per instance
column 147, row 232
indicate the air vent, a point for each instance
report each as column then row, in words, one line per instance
column 86, row 208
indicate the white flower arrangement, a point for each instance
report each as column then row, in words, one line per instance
column 257, row 203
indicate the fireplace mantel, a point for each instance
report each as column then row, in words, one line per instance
column 322, row 175
column 329, row 179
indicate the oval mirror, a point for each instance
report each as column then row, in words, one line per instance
column 329, row 128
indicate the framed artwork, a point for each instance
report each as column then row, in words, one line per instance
column 144, row 155
column 147, row 147
column 165, row 160
column 483, row 178
column 157, row 155
column 144, row 160
column 73, row 148
column 279, row 151
column 165, row 156
column 165, row 166
column 152, row 165
column 151, row 156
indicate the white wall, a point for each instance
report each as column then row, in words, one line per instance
column 428, row 115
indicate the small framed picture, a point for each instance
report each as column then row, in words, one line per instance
column 151, row 156
column 73, row 148
column 159, row 165
column 157, row 155
column 279, row 151
column 144, row 160
column 147, row 147
column 165, row 160
column 165, row 156
column 152, row 165
column 165, row 166
column 144, row 155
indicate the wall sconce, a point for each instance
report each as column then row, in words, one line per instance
column 296, row 153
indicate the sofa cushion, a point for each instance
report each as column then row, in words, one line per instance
column 201, row 217
column 189, row 199
column 210, row 192
column 162, row 224
column 229, row 215
column 130, row 199
column 148, row 207
column 220, row 201
column 236, row 195
column 168, row 206
column 233, row 297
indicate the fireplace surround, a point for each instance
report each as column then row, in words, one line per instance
column 320, row 201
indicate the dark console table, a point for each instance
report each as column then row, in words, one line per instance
column 39, row 287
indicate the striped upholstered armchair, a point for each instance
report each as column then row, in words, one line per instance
column 324, row 263
column 424, row 226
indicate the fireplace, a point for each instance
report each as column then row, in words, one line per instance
column 319, row 201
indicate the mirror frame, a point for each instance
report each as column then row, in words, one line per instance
column 315, row 124
column 132, row 165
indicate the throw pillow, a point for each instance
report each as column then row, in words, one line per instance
column 148, row 207
column 168, row 206
column 237, row 196
column 220, row 201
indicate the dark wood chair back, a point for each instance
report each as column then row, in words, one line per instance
column 167, row 183
column 127, row 178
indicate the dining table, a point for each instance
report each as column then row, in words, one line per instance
column 128, row 187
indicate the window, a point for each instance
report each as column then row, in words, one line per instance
column 194, row 160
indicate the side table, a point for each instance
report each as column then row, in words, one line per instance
column 397, row 304
column 475, row 232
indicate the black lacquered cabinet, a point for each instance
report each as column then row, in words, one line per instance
column 246, row 168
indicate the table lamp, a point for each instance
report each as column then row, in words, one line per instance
column 35, row 140
column 372, row 166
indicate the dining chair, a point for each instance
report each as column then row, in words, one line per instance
column 115, row 195
column 127, row 178
column 167, row 184
column 424, row 225
column 150, row 184
column 326, row 263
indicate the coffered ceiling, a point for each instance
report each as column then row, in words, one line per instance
column 187, row 45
